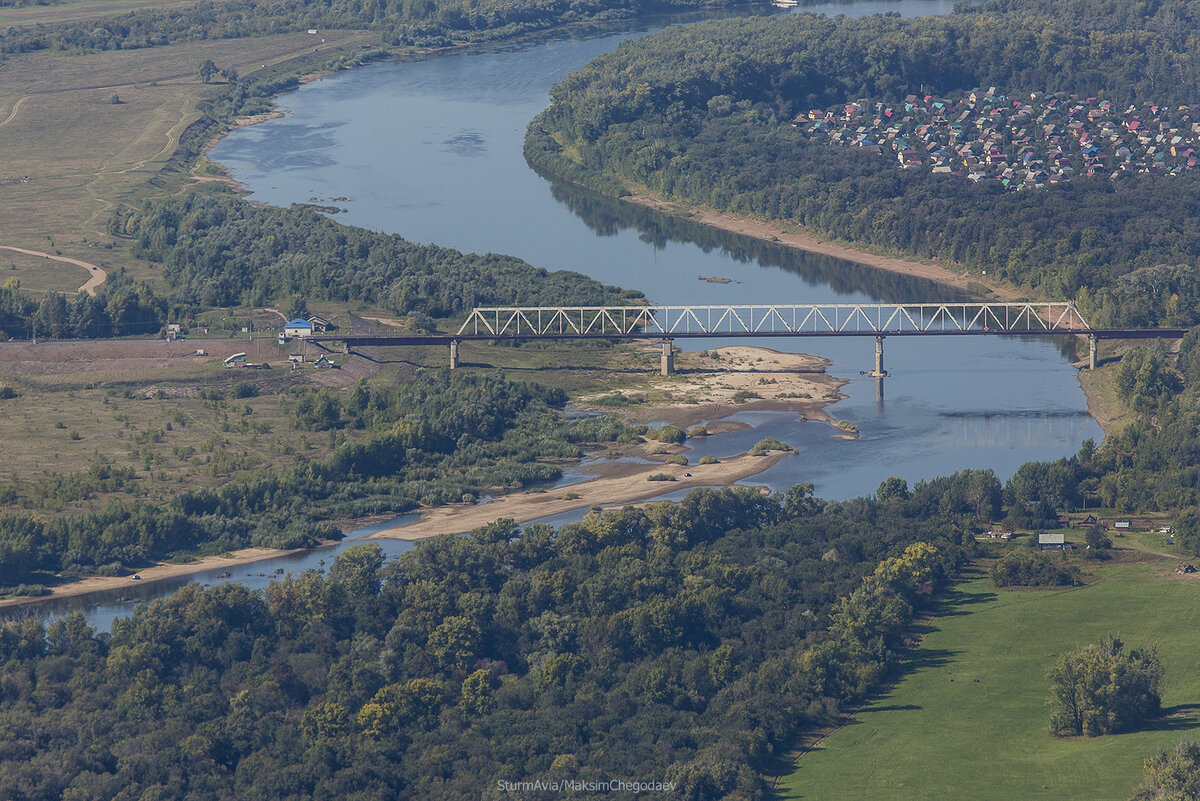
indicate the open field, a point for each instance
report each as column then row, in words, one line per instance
column 69, row 155
column 969, row 719
column 41, row 273
column 80, row 9
column 142, row 404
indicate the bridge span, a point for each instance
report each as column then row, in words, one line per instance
column 667, row 323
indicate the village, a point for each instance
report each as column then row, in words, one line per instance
column 1021, row 143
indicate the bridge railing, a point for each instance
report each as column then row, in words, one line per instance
column 877, row 318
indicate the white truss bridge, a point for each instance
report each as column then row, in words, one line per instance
column 879, row 319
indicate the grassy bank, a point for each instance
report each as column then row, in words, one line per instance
column 969, row 720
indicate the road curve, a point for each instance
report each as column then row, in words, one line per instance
column 96, row 278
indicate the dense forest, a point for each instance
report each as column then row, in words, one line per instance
column 702, row 114
column 437, row 438
column 686, row 643
column 399, row 22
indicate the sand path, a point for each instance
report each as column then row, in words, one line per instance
column 97, row 277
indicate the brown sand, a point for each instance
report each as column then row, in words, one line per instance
column 617, row 490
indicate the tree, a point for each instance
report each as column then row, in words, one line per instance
column 892, row 489
column 1102, row 689
column 1172, row 776
column 206, row 70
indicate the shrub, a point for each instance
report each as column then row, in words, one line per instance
column 677, row 459
column 765, row 446
column 670, row 434
column 743, row 395
column 660, row 477
column 1021, row 568
column 1102, row 689
column 708, row 459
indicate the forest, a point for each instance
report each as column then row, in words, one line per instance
column 702, row 114
column 686, row 643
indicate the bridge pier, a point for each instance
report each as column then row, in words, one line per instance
column 454, row 354
column 878, row 372
column 1091, row 351
column 668, row 357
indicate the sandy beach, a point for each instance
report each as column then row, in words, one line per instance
column 613, row 490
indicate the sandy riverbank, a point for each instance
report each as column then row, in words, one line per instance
column 776, row 233
column 625, row 487
column 159, row 572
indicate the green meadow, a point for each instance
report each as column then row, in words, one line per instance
column 969, row 718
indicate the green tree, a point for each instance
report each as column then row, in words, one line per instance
column 206, row 70
column 892, row 489
column 1172, row 775
column 1102, row 689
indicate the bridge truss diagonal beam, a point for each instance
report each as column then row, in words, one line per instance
column 776, row 319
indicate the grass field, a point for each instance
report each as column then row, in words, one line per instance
column 970, row 721
column 69, row 155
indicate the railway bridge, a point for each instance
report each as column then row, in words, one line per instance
column 668, row 323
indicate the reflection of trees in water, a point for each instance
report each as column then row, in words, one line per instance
column 607, row 216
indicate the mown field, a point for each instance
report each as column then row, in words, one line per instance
column 970, row 720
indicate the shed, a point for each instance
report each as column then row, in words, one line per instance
column 236, row 360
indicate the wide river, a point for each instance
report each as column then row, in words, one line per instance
column 431, row 149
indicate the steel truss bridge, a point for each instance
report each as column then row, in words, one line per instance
column 667, row 323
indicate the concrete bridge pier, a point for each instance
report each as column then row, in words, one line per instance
column 454, row 354
column 668, row 357
column 878, row 372
column 1091, row 351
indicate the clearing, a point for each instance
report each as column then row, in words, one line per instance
column 969, row 719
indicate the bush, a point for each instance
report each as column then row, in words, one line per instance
column 244, row 389
column 7, row 392
column 743, row 395
column 660, row 477
column 1024, row 569
column 765, row 446
column 708, row 459
column 673, row 435
column 677, row 459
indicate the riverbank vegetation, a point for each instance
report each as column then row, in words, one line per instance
column 437, row 438
column 702, row 115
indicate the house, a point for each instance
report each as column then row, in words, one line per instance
column 1052, row 540
column 320, row 324
column 236, row 360
column 298, row 328
column 296, row 358
column 1090, row 520
column 323, row 362
column 1121, row 524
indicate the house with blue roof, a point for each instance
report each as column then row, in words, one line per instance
column 298, row 328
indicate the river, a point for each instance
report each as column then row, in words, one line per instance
column 430, row 149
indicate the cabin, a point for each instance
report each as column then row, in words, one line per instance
column 323, row 362
column 320, row 324
column 298, row 328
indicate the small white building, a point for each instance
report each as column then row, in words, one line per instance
column 298, row 328
column 236, row 360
